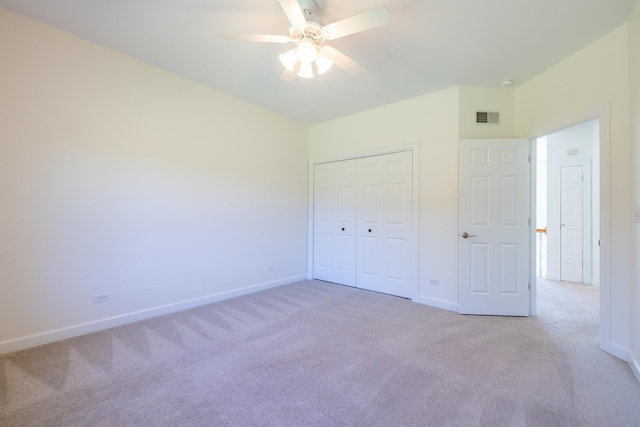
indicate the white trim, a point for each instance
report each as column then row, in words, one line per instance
column 634, row 364
column 54, row 335
column 310, row 221
column 409, row 146
column 438, row 303
column 414, row 147
column 416, row 215
column 617, row 351
column 533, row 209
column 605, row 234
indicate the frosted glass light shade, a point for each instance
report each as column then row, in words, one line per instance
column 323, row 62
column 289, row 59
column 306, row 52
column 301, row 58
column 305, row 71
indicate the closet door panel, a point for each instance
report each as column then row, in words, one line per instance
column 334, row 221
column 385, row 214
column 323, row 219
column 345, row 223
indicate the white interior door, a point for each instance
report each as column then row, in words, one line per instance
column 385, row 224
column 494, row 227
column 334, row 222
column 571, row 223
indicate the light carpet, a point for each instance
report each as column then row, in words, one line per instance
column 318, row 354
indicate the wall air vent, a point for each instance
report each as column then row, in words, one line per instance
column 487, row 118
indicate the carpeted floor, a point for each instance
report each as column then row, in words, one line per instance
column 318, row 354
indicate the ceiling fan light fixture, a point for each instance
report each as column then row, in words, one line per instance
column 305, row 71
column 323, row 63
column 306, row 51
column 309, row 33
column 289, row 59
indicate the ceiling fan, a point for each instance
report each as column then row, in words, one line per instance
column 309, row 36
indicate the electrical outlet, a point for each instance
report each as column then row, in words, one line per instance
column 434, row 282
column 100, row 298
column 270, row 268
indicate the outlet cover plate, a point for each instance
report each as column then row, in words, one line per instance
column 100, row 298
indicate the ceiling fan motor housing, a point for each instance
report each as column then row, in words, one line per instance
column 313, row 32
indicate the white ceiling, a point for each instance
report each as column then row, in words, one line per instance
column 430, row 44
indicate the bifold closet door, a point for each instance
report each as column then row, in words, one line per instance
column 334, row 222
column 385, row 224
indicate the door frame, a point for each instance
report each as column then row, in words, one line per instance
column 603, row 114
column 414, row 147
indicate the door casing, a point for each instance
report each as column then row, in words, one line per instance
column 602, row 113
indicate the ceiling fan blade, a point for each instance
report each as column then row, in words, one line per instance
column 343, row 61
column 361, row 22
column 294, row 13
column 256, row 38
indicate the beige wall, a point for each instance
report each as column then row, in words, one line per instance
column 590, row 82
column 634, row 79
column 117, row 177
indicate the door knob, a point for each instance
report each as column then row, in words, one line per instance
column 342, row 228
column 369, row 230
column 467, row 235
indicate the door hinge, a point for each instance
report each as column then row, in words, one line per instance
column 529, row 158
column 529, row 285
column 529, row 222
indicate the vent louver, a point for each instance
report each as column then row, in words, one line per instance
column 487, row 118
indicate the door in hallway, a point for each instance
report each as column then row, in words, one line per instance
column 571, row 219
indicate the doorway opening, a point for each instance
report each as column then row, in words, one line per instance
column 568, row 221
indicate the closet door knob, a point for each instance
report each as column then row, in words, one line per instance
column 369, row 230
column 342, row 229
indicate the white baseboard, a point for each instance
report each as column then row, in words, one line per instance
column 21, row 343
column 615, row 350
column 433, row 302
column 635, row 365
